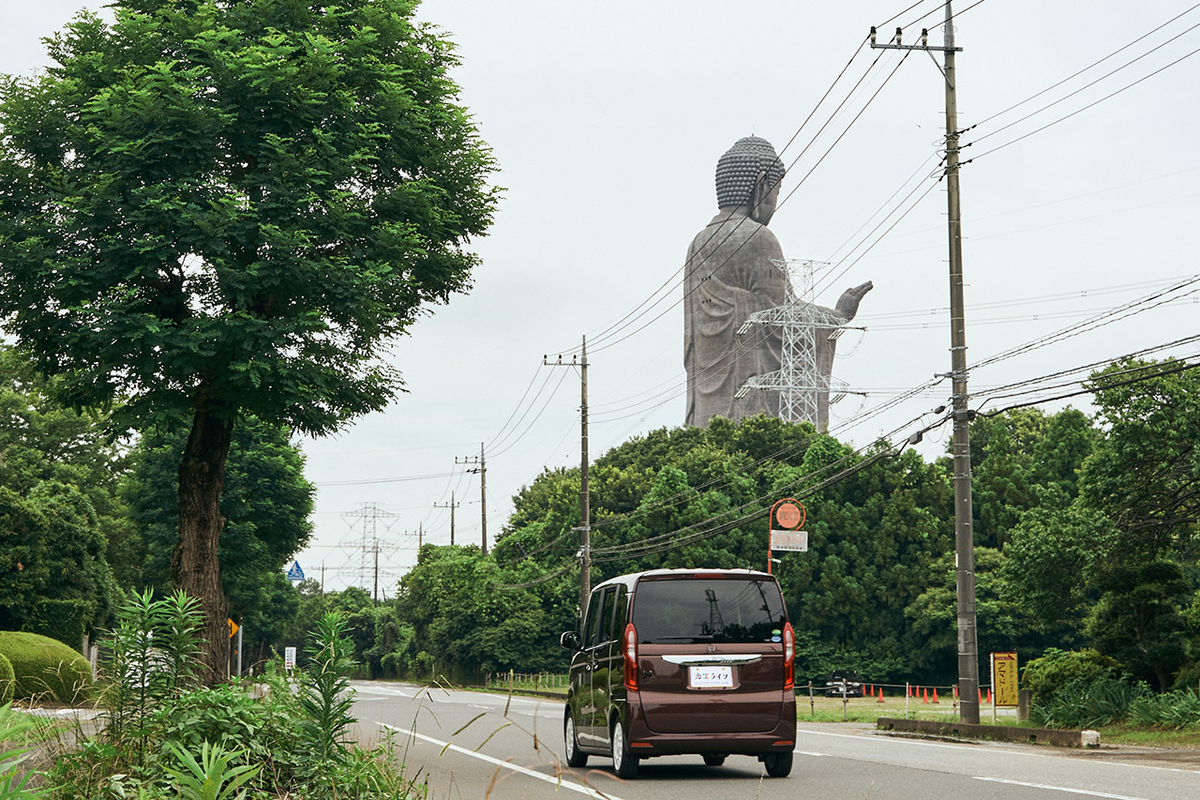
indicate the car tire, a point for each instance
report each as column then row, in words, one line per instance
column 575, row 758
column 778, row 765
column 625, row 763
column 715, row 759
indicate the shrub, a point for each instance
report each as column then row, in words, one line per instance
column 7, row 680
column 1058, row 669
column 46, row 669
column 1188, row 677
column 1082, row 704
column 1177, row 710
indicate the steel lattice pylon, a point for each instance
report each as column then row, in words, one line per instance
column 800, row 321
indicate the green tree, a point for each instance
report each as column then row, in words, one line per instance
column 1050, row 563
column 1023, row 459
column 59, row 509
column 220, row 208
column 1145, row 475
column 57, row 581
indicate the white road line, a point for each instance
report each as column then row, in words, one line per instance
column 574, row 787
column 1059, row 789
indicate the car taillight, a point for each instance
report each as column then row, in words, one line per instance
column 789, row 656
column 629, row 652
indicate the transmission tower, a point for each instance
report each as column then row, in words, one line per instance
column 370, row 545
column 800, row 321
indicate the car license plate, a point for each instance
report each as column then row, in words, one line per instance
column 711, row 677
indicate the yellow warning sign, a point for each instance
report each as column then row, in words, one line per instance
column 233, row 629
column 1004, row 679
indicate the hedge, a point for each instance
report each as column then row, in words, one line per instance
column 46, row 669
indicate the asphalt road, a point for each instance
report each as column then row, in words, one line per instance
column 471, row 745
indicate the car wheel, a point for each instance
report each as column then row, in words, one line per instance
column 625, row 763
column 715, row 759
column 778, row 764
column 571, row 744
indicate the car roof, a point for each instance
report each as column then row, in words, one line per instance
column 662, row 574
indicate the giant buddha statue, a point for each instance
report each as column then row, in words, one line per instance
column 733, row 270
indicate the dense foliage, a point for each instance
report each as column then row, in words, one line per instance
column 60, row 513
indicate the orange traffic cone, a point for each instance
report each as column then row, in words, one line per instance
column 981, row 696
column 870, row 690
column 956, row 692
column 935, row 694
column 989, row 699
column 924, row 695
column 880, row 700
column 908, row 690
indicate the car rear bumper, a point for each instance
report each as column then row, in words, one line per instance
column 644, row 742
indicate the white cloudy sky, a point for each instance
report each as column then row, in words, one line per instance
column 607, row 120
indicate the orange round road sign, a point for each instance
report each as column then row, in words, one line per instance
column 790, row 515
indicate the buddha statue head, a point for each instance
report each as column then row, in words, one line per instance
column 749, row 174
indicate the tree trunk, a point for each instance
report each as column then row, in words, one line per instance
column 194, row 565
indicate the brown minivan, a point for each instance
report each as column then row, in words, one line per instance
column 682, row 661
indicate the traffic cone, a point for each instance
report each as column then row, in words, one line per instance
column 925, row 696
column 870, row 690
column 956, row 692
column 981, row 696
column 908, row 690
column 989, row 699
column 935, row 694
column 880, row 700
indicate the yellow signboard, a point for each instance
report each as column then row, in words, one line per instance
column 1004, row 679
column 233, row 629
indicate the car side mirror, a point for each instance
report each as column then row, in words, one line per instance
column 569, row 640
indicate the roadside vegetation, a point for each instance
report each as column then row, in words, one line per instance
column 162, row 734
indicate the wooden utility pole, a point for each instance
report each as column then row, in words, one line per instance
column 481, row 468
column 451, row 505
column 585, row 506
column 585, row 514
column 964, row 535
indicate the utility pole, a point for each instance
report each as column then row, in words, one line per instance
column 964, row 535
column 451, row 505
column 585, row 514
column 481, row 468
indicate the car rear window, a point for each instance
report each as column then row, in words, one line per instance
column 685, row 610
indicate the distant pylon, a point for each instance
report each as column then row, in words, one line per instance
column 800, row 321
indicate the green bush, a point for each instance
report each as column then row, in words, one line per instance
column 1057, row 669
column 1082, row 704
column 46, row 669
column 7, row 680
column 1177, row 710
column 1188, row 677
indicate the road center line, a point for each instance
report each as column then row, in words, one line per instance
column 575, row 787
column 1059, row 788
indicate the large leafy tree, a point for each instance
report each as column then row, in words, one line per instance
column 228, row 207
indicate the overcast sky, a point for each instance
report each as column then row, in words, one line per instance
column 607, row 120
